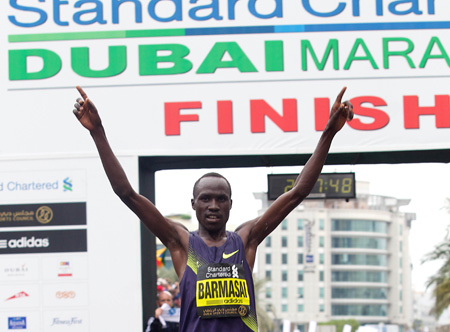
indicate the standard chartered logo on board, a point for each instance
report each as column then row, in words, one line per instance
column 33, row 185
column 67, row 184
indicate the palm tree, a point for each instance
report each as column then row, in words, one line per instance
column 264, row 311
column 447, row 205
column 441, row 280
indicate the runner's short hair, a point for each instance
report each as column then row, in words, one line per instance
column 211, row 175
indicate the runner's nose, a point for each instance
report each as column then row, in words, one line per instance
column 213, row 205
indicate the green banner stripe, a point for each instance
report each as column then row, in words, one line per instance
column 155, row 33
column 95, row 35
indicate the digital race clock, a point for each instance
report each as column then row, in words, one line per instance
column 328, row 185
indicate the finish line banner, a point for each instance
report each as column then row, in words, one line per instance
column 236, row 77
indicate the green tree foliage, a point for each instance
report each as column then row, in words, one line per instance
column 167, row 273
column 340, row 324
column 440, row 282
column 265, row 313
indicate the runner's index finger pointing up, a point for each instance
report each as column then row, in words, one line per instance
column 82, row 93
column 340, row 95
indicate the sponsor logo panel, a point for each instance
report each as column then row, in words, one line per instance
column 65, row 294
column 17, row 323
column 19, row 269
column 38, row 186
column 20, row 320
column 73, row 320
column 65, row 267
column 19, row 296
column 30, row 242
column 48, row 214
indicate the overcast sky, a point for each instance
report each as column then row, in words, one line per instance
column 427, row 185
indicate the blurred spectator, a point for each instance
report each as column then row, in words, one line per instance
column 167, row 317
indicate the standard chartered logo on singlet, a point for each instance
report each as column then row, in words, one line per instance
column 222, row 291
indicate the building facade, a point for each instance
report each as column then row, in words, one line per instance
column 333, row 259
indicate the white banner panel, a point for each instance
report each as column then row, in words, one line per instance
column 172, row 77
column 70, row 259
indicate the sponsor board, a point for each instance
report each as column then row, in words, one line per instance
column 19, row 269
column 67, row 267
column 64, row 269
column 70, row 320
column 17, row 323
column 65, row 294
column 20, row 320
column 48, row 214
column 32, row 242
column 19, row 296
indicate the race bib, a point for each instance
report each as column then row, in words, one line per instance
column 222, row 291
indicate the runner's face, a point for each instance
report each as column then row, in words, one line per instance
column 212, row 203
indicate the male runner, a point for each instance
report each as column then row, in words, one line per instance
column 214, row 266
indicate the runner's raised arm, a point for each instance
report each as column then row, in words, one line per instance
column 173, row 235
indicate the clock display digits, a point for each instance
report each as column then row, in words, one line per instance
column 335, row 185
column 346, row 186
column 320, row 182
column 327, row 186
column 290, row 185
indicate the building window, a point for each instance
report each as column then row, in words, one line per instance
column 321, row 258
column 359, row 259
column 284, row 275
column 284, row 308
column 401, row 229
column 321, row 276
column 284, row 241
column 321, row 292
column 373, row 226
column 300, row 275
column 268, row 293
column 321, row 241
column 359, row 310
column 300, row 224
column 284, row 258
column 284, row 225
column 321, row 307
column 359, row 276
column 401, row 246
column 300, row 292
column 268, row 242
column 359, row 293
column 358, row 242
column 300, row 241
column 401, row 262
column 401, row 295
column 268, row 275
column 268, row 259
column 284, row 292
column 299, row 258
column 300, row 307
column 321, row 224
